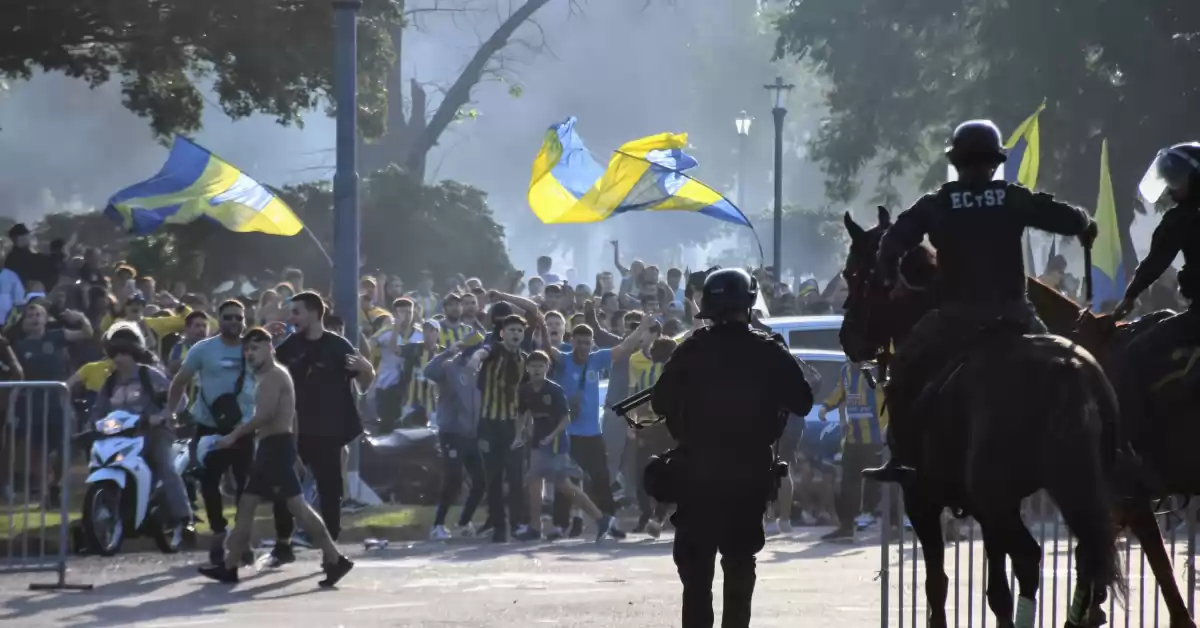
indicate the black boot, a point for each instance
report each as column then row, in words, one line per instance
column 894, row 470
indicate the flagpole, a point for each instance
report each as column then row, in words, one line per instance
column 320, row 247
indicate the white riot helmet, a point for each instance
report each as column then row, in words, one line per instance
column 204, row 446
column 1171, row 170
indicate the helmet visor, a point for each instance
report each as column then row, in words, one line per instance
column 1170, row 170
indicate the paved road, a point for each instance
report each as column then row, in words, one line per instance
column 574, row 583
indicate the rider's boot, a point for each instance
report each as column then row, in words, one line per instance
column 896, row 469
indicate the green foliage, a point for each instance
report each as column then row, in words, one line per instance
column 266, row 56
column 406, row 227
column 901, row 74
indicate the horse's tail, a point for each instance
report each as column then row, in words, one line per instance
column 1075, row 461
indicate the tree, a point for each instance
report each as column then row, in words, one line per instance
column 407, row 227
column 901, row 74
column 267, row 56
column 410, row 137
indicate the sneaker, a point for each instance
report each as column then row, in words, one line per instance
column 466, row 531
column 335, row 572
column 772, row 528
column 576, row 528
column 615, row 532
column 220, row 573
column 604, row 525
column 528, row 534
column 843, row 533
column 351, row 506
column 641, row 524
column 499, row 535
column 281, row 554
column 439, row 533
column 555, row 534
column 487, row 528
column 807, row 519
column 785, row 526
column 654, row 529
column 864, row 521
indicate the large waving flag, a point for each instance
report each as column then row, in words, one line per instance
column 568, row 184
column 196, row 184
column 1024, row 159
column 1108, row 273
column 1024, row 151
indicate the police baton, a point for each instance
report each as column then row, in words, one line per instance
column 1087, row 273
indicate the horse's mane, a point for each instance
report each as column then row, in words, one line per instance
column 919, row 266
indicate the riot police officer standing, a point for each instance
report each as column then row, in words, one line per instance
column 725, row 394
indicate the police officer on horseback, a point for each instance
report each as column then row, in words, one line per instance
column 976, row 224
column 1175, row 172
column 726, row 393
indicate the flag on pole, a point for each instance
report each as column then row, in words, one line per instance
column 568, row 184
column 1024, row 160
column 1108, row 273
column 194, row 184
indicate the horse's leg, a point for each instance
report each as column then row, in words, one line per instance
column 1140, row 518
column 996, row 542
column 926, row 520
column 1087, row 602
column 1027, row 566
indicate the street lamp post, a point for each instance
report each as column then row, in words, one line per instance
column 345, row 180
column 742, row 123
column 778, row 112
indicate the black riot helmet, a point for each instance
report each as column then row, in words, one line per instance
column 976, row 142
column 726, row 293
column 1175, row 170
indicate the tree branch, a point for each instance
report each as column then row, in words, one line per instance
column 459, row 93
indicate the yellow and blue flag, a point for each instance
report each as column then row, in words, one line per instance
column 568, row 185
column 1024, row 152
column 1108, row 273
column 194, row 184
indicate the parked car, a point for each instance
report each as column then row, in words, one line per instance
column 808, row 332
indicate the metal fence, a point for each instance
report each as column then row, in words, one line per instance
column 902, row 570
column 34, row 442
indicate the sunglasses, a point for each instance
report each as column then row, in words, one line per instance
column 233, row 317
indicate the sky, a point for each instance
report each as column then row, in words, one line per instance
column 625, row 69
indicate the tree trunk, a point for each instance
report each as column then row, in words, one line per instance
column 459, row 93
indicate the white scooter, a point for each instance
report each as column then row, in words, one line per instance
column 123, row 499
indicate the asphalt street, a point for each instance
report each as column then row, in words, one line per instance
column 572, row 583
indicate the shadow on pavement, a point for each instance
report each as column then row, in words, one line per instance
column 110, row 604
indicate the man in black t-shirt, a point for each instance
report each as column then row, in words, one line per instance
column 323, row 366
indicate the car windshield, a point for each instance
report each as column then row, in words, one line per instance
column 825, row 339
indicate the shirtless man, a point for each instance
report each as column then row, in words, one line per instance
column 273, row 474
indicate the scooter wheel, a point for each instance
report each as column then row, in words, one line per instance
column 103, row 526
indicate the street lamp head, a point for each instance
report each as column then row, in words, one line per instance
column 779, row 87
column 743, row 123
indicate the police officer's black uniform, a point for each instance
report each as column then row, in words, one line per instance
column 976, row 224
column 725, row 394
column 1177, row 172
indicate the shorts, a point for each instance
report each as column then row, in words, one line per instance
column 273, row 472
column 553, row 466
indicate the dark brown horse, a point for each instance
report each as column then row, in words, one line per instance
column 1021, row 414
column 1164, row 437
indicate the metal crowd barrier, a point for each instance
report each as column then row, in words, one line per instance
column 28, row 514
column 902, row 570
